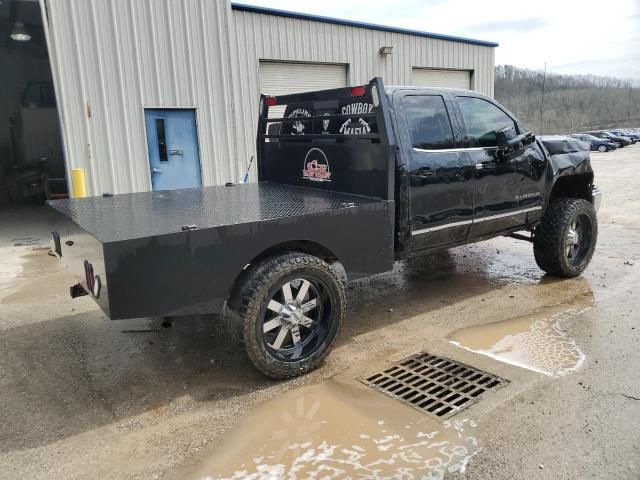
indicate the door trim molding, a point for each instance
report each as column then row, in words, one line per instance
column 476, row 220
column 457, row 149
column 507, row 214
column 441, row 227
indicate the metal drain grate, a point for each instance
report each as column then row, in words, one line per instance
column 434, row 385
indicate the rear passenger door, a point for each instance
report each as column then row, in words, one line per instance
column 508, row 192
column 440, row 174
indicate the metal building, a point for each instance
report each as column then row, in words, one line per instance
column 164, row 93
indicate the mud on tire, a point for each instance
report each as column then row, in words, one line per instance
column 287, row 312
column 553, row 245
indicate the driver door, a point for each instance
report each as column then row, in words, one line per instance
column 440, row 176
column 508, row 192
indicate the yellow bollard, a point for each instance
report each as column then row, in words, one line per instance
column 78, row 183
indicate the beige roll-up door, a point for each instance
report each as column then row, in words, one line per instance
column 280, row 78
column 431, row 77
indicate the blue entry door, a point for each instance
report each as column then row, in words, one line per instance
column 172, row 140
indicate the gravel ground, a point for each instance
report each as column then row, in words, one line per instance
column 83, row 397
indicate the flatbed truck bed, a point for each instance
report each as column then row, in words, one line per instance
column 177, row 252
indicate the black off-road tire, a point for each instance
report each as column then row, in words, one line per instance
column 244, row 313
column 549, row 242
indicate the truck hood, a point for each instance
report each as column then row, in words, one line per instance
column 567, row 155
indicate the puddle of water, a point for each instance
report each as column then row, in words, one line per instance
column 536, row 342
column 331, row 430
column 28, row 273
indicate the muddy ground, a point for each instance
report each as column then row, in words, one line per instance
column 83, row 397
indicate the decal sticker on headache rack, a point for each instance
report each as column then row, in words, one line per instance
column 316, row 166
column 325, row 125
column 298, row 128
column 356, row 126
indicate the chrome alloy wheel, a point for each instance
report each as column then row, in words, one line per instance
column 578, row 239
column 296, row 319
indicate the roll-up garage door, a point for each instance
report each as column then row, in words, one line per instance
column 280, row 78
column 430, row 77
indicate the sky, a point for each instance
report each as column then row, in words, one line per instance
column 573, row 37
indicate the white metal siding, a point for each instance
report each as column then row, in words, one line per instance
column 268, row 37
column 113, row 58
column 431, row 77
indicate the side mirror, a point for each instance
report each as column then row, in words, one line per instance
column 503, row 137
column 511, row 145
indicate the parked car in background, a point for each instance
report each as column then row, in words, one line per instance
column 626, row 137
column 599, row 144
column 626, row 133
column 621, row 135
column 620, row 141
column 630, row 139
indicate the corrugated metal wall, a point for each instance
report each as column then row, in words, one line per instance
column 113, row 58
column 269, row 37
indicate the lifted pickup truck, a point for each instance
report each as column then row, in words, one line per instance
column 358, row 177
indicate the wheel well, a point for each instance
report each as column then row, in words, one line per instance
column 300, row 246
column 573, row 186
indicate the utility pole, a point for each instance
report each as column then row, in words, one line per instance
column 544, row 81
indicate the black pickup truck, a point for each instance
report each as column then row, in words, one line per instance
column 350, row 180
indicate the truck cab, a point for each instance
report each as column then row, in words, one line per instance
column 461, row 188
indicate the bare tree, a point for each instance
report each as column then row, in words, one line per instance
column 572, row 102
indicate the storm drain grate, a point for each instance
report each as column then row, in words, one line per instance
column 434, row 385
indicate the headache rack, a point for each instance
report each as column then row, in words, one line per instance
column 337, row 140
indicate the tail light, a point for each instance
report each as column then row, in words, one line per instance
column 358, row 91
column 272, row 101
column 56, row 247
column 94, row 284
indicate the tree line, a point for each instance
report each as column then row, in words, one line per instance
column 572, row 103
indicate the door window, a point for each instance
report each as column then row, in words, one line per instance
column 428, row 122
column 483, row 119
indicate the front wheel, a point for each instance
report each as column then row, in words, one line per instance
column 602, row 148
column 288, row 312
column 565, row 240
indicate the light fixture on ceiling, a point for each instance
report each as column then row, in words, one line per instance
column 19, row 33
column 386, row 50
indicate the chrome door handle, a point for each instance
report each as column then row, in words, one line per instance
column 487, row 165
column 156, row 170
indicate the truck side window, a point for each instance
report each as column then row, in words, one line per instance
column 483, row 119
column 428, row 122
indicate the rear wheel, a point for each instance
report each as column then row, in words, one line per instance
column 565, row 240
column 288, row 312
column 602, row 148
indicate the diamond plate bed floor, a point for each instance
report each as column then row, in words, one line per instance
column 146, row 214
